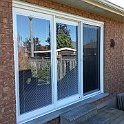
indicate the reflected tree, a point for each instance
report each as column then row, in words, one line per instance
column 37, row 45
column 63, row 37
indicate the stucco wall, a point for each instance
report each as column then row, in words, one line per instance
column 114, row 61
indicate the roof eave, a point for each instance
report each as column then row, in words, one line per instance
column 99, row 7
column 104, row 4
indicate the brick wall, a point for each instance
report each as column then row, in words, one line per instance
column 7, row 84
column 114, row 64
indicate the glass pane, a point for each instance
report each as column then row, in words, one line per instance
column 91, row 35
column 67, row 80
column 34, row 63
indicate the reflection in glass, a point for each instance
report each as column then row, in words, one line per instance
column 67, row 81
column 34, row 63
column 91, row 35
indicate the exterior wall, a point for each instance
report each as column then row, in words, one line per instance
column 113, row 57
column 7, row 83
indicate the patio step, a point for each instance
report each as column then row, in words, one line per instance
column 78, row 114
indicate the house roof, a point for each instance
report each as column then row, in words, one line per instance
column 100, row 7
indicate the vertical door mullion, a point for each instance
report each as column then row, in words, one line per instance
column 102, row 59
column 53, row 57
column 16, row 64
column 79, row 60
column 81, row 56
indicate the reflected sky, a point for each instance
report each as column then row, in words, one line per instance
column 92, row 34
column 73, row 30
column 23, row 27
column 40, row 29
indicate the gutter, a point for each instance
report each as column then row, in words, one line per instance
column 106, row 5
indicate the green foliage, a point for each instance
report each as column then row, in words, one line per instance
column 63, row 40
column 44, row 74
column 63, row 37
column 33, row 70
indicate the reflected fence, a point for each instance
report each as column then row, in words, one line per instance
column 64, row 65
column 35, row 80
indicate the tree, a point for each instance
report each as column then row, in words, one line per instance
column 63, row 40
column 37, row 45
column 63, row 37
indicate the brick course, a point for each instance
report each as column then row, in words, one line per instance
column 113, row 57
column 7, row 83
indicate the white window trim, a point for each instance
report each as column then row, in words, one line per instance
column 53, row 15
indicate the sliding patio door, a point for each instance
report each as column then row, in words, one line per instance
column 58, row 60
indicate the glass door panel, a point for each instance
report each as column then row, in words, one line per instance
column 91, row 58
column 67, row 70
column 34, row 58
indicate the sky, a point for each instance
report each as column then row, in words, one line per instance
column 118, row 2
